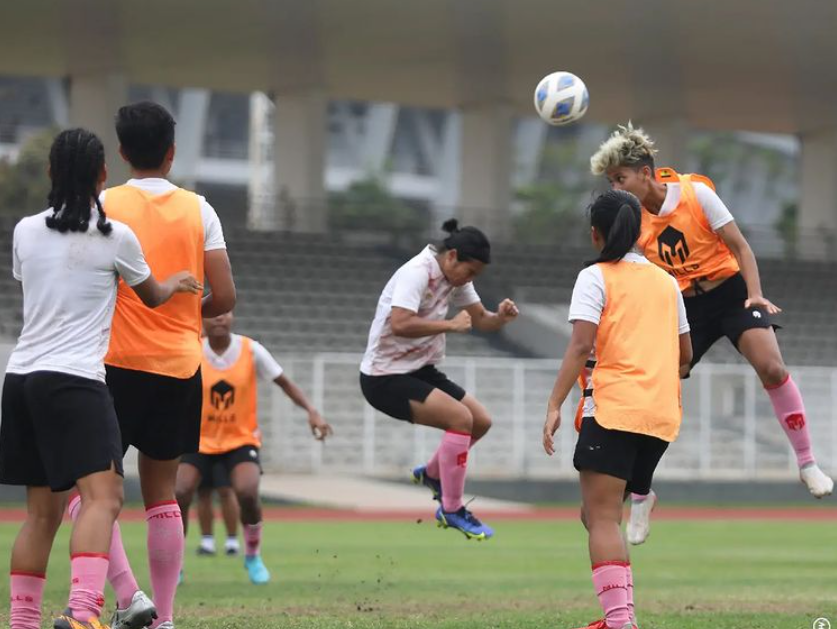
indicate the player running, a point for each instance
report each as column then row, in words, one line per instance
column 59, row 426
column 154, row 359
column 689, row 232
column 630, row 326
column 398, row 375
column 230, row 435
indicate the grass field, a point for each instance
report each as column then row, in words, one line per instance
column 716, row 574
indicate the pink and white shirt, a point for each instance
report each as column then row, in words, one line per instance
column 421, row 287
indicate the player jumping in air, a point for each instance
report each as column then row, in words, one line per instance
column 399, row 377
column 689, row 232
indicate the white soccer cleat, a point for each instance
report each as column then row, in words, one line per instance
column 817, row 482
column 639, row 524
column 139, row 614
column 166, row 625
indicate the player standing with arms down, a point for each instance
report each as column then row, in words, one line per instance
column 689, row 232
column 59, row 426
column 230, row 435
column 153, row 364
column 629, row 323
column 398, row 375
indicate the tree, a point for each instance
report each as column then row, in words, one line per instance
column 24, row 183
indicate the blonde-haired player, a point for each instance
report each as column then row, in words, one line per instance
column 689, row 232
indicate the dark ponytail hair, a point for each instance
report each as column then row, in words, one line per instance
column 76, row 160
column 469, row 242
column 617, row 216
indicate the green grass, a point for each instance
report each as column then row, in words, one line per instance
column 718, row 575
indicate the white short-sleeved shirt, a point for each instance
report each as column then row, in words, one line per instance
column 421, row 287
column 266, row 366
column 213, row 233
column 716, row 212
column 588, row 302
column 69, row 292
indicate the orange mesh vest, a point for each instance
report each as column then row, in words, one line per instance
column 165, row 340
column 636, row 380
column 682, row 242
column 230, row 418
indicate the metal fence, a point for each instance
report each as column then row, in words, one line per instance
column 729, row 430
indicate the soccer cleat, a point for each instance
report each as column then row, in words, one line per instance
column 602, row 624
column 166, row 625
column 140, row 613
column 66, row 621
column 420, row 477
column 639, row 524
column 816, row 480
column 465, row 522
column 231, row 547
column 207, row 547
column 256, row 570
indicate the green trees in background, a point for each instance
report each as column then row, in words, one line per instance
column 24, row 184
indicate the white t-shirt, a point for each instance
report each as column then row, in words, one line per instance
column 421, row 287
column 588, row 302
column 266, row 366
column 213, row 234
column 69, row 292
column 717, row 214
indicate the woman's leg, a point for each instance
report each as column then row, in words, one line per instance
column 30, row 555
column 761, row 349
column 602, row 499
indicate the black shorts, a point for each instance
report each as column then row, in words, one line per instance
column 219, row 478
column 626, row 455
column 160, row 416
column 392, row 394
column 207, row 463
column 56, row 429
column 721, row 312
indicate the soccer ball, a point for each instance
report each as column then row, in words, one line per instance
column 561, row 98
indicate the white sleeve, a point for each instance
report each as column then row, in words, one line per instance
column 410, row 284
column 16, row 270
column 682, row 319
column 266, row 366
column 213, row 233
column 465, row 296
column 130, row 262
column 714, row 209
column 588, row 299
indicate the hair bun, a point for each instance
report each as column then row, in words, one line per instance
column 451, row 226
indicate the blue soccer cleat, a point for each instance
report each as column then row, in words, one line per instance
column 465, row 522
column 256, row 570
column 420, row 477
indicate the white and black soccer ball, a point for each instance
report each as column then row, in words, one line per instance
column 561, row 98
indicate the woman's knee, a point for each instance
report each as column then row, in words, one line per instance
column 772, row 372
column 461, row 419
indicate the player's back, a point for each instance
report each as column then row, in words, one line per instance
column 169, row 226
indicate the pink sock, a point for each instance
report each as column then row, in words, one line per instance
column 89, row 572
column 453, row 462
column 631, row 610
column 252, row 539
column 433, row 464
column 165, row 556
column 27, row 593
column 790, row 411
column 120, row 575
column 610, row 578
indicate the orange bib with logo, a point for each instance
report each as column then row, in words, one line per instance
column 682, row 243
column 230, row 404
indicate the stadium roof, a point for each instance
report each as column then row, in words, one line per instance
column 765, row 65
